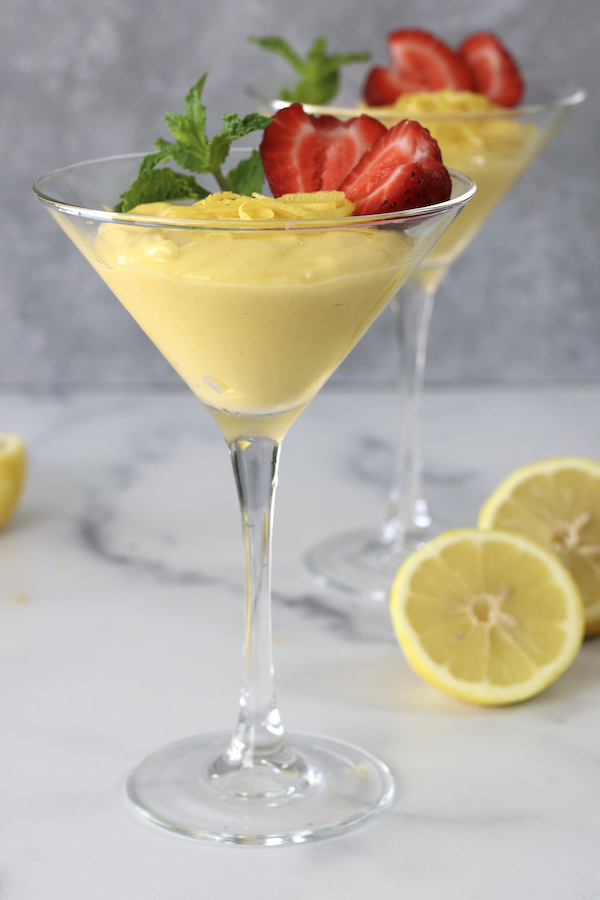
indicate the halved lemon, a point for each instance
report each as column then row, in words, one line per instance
column 12, row 473
column 556, row 502
column 490, row 617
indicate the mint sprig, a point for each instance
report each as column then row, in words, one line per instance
column 319, row 73
column 194, row 152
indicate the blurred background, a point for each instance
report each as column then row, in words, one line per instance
column 82, row 80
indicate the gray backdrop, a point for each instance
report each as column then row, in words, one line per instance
column 84, row 79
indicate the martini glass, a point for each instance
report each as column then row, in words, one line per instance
column 493, row 147
column 254, row 315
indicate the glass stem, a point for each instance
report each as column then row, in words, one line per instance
column 255, row 464
column 258, row 742
column 408, row 513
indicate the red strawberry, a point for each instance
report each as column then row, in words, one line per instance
column 289, row 152
column 424, row 63
column 303, row 153
column 402, row 170
column 419, row 62
column 342, row 145
column 495, row 72
column 382, row 87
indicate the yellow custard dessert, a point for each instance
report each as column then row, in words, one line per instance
column 480, row 139
column 254, row 321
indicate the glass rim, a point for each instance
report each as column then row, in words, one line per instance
column 251, row 225
column 568, row 95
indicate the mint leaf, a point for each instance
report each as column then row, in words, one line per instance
column 189, row 130
column 320, row 73
column 189, row 139
column 152, row 185
column 278, row 45
column 178, row 153
column 236, row 128
column 233, row 129
column 248, row 176
column 194, row 110
column 192, row 151
column 163, row 154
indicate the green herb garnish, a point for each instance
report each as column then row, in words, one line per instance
column 319, row 73
column 192, row 151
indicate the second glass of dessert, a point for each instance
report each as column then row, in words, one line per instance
column 490, row 123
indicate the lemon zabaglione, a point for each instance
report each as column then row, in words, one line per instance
column 557, row 502
column 489, row 617
column 255, row 301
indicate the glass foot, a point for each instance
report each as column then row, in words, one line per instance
column 174, row 788
column 360, row 563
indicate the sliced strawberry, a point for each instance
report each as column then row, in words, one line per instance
column 402, row 170
column 342, row 144
column 495, row 72
column 439, row 183
column 421, row 62
column 382, row 87
column 289, row 151
column 304, row 153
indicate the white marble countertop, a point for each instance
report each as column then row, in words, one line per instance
column 121, row 610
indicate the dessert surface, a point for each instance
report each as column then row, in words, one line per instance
column 253, row 321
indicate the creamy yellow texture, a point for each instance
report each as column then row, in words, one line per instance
column 493, row 152
column 253, row 321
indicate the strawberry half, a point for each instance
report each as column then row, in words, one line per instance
column 382, row 87
column 419, row 62
column 342, row 145
column 424, row 63
column 495, row 72
column 304, row 153
column 402, row 170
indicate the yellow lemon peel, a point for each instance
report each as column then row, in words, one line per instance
column 230, row 206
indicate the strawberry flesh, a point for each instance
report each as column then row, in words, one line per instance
column 424, row 63
column 402, row 170
column 419, row 62
column 342, row 145
column 494, row 71
column 304, row 153
column 289, row 151
column 382, row 87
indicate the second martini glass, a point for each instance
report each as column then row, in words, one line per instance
column 493, row 147
column 254, row 315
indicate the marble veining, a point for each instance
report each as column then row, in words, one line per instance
column 121, row 624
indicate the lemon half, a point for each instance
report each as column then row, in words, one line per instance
column 557, row 502
column 12, row 473
column 490, row 617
